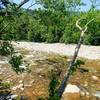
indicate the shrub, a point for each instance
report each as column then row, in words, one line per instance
column 5, row 87
column 76, row 66
column 88, row 39
column 6, row 48
column 16, row 61
column 7, row 36
column 53, row 86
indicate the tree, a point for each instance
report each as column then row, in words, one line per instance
column 94, row 4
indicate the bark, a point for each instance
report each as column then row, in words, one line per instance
column 67, row 74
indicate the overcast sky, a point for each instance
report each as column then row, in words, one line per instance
column 84, row 8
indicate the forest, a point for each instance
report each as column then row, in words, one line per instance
column 52, row 23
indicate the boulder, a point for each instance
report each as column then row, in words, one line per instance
column 72, row 92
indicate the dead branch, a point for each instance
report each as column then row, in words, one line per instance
column 70, row 66
column 22, row 3
column 31, row 5
column 77, row 25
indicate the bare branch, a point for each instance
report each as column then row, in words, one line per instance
column 31, row 5
column 22, row 3
column 5, row 2
column 70, row 66
column 77, row 25
column 86, row 26
column 80, row 28
column 85, row 29
column 89, row 22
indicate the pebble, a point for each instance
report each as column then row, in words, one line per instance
column 11, row 97
column 95, row 78
column 21, row 81
column 22, row 88
column 17, row 87
column 82, row 93
column 86, row 84
column 22, row 67
column 14, row 96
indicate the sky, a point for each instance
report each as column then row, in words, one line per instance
column 84, row 8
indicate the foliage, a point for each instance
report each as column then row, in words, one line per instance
column 53, row 86
column 16, row 61
column 76, row 65
column 5, row 87
column 5, row 84
column 6, row 48
column 54, row 23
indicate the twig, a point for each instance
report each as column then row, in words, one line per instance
column 31, row 5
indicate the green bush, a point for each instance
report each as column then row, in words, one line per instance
column 5, row 87
column 16, row 61
column 53, row 86
column 5, row 84
column 88, row 39
column 6, row 48
column 7, row 36
column 76, row 65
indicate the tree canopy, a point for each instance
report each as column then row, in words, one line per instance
column 54, row 22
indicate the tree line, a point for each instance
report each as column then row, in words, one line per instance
column 54, row 22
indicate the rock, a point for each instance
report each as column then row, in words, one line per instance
column 18, row 54
column 3, row 62
column 72, row 92
column 14, row 96
column 27, row 85
column 82, row 93
column 87, row 93
column 31, row 82
column 71, row 96
column 68, row 60
column 22, row 88
column 29, row 56
column 71, row 89
column 17, row 87
column 11, row 97
column 22, row 67
column 21, row 81
column 97, row 94
column 85, row 83
column 95, row 78
column 1, row 72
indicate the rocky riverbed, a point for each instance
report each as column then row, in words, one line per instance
column 33, row 84
column 89, row 52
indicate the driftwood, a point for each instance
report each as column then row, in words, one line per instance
column 67, row 74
